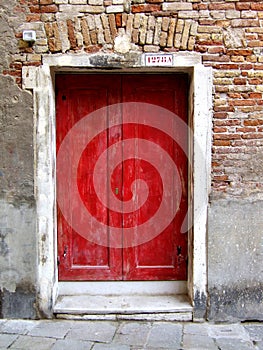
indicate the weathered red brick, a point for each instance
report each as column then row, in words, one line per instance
column 93, row 48
column 220, row 88
column 18, row 9
column 227, row 122
column 234, row 95
column 242, row 5
column 242, row 102
column 145, row 8
column 216, row 58
column 216, row 49
column 220, row 177
column 255, row 43
column 255, row 95
column 33, row 17
column 221, row 143
column 93, row 36
column 48, row 8
column 118, row 20
column 253, row 122
column 245, row 95
column 255, row 81
column 240, row 81
column 34, row 9
column 13, row 73
column 201, row 48
column 257, row 6
column 224, row 109
column 246, row 66
column 207, row 22
column 33, row 63
column 209, row 42
column 253, row 136
column 220, row 115
column 71, row 34
column 215, row 164
column 231, row 136
column 251, row 36
column 19, row 35
column 246, row 129
column 155, row 1
column 85, row 32
column 46, row 2
column 240, row 52
column 16, row 65
column 200, row 6
column 227, row 66
column 219, row 129
column 221, row 6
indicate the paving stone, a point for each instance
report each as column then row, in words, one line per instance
column 195, row 328
column 70, row 344
column 21, row 327
column 255, row 331
column 228, row 331
column 51, row 329
column 195, row 341
column 165, row 335
column 25, row 342
column 234, row 344
column 6, row 340
column 111, row 347
column 94, row 331
column 133, row 333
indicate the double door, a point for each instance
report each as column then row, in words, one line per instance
column 113, row 228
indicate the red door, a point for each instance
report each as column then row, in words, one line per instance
column 122, row 176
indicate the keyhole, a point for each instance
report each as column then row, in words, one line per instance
column 116, row 190
column 179, row 250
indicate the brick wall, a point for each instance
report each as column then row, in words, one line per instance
column 228, row 35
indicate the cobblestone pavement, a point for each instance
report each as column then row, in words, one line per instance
column 106, row 335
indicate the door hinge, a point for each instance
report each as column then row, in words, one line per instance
column 58, row 261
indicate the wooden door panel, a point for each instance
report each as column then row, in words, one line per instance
column 80, row 259
column 164, row 257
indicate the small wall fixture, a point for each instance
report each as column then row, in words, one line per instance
column 29, row 35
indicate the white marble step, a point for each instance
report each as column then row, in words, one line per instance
column 126, row 304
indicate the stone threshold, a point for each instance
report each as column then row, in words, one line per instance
column 125, row 307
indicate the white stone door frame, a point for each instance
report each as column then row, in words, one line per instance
column 41, row 81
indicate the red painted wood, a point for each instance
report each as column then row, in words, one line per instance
column 157, row 259
column 164, row 257
column 78, row 96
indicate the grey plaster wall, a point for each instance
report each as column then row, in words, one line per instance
column 17, row 206
column 235, row 260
